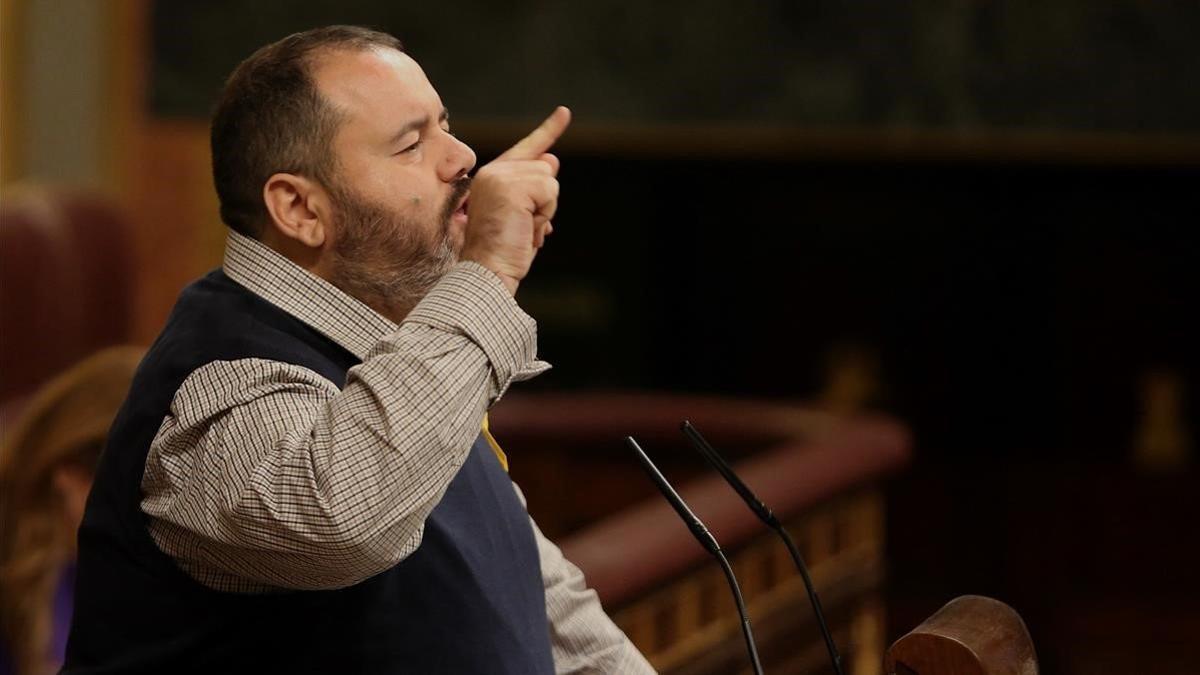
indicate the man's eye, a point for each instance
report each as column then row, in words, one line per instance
column 411, row 148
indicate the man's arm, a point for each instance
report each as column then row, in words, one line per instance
column 265, row 475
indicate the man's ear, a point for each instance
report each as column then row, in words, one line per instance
column 298, row 208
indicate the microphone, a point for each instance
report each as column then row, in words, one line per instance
column 706, row 540
column 767, row 516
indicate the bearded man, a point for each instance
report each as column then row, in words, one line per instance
column 298, row 481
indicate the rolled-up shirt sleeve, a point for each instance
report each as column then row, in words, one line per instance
column 266, row 475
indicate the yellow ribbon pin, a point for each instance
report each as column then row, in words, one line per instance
column 495, row 446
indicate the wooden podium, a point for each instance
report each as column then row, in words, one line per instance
column 971, row 635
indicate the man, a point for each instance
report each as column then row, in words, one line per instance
column 298, row 480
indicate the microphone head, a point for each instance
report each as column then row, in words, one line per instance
column 702, row 535
column 718, row 462
column 694, row 524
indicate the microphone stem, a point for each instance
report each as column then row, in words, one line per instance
column 741, row 606
column 812, row 598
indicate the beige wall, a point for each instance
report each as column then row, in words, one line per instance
column 56, row 86
column 73, row 89
column 11, row 86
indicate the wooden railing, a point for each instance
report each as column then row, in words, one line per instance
column 690, row 625
column 821, row 475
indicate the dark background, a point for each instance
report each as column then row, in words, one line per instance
column 1012, row 300
column 1120, row 65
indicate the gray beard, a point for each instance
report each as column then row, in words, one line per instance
column 386, row 261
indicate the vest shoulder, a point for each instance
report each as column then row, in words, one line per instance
column 217, row 319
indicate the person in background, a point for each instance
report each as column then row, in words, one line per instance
column 47, row 460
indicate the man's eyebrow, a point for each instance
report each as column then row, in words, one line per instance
column 408, row 128
column 417, row 124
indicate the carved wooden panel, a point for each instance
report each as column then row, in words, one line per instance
column 691, row 626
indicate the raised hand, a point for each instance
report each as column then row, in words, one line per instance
column 512, row 202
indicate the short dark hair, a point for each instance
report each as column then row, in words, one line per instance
column 271, row 118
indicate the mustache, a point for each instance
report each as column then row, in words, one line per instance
column 457, row 191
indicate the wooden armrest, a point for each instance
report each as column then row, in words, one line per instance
column 971, row 635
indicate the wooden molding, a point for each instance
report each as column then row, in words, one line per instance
column 849, row 144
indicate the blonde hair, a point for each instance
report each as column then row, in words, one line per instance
column 64, row 425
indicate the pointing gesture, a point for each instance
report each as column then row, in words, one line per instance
column 512, row 201
column 540, row 140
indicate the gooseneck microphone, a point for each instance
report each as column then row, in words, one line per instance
column 767, row 516
column 706, row 540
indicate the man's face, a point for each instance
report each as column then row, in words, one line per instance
column 400, row 183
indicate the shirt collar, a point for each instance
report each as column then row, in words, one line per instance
column 309, row 298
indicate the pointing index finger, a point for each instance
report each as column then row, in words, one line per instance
column 542, row 138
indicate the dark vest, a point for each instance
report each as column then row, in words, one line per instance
column 468, row 600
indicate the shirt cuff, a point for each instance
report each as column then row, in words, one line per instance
column 472, row 300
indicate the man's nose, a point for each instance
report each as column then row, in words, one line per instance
column 458, row 162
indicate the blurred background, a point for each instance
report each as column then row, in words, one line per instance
column 963, row 222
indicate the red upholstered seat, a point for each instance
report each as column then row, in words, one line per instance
column 66, row 284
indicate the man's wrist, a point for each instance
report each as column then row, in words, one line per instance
column 511, row 283
column 472, row 300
